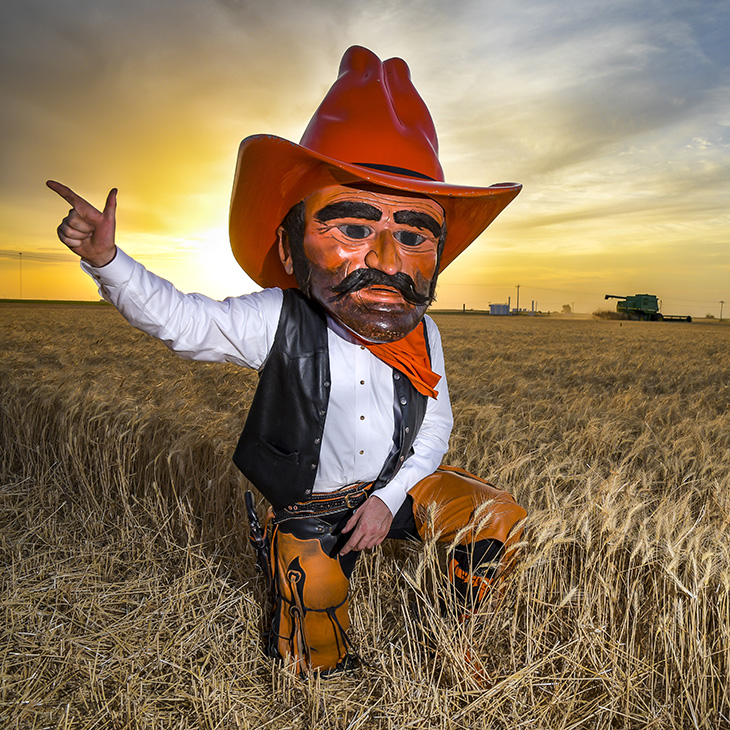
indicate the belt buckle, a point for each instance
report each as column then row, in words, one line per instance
column 349, row 497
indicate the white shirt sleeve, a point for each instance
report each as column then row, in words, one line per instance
column 239, row 330
column 432, row 441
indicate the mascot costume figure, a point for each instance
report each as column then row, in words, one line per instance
column 346, row 233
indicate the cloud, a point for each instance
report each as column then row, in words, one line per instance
column 580, row 83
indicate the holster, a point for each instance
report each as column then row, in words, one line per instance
column 310, row 619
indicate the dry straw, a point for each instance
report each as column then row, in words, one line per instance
column 130, row 600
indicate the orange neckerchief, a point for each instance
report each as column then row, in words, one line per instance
column 410, row 356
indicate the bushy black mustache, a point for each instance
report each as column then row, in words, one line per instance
column 362, row 278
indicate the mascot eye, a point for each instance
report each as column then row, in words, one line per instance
column 409, row 238
column 356, row 232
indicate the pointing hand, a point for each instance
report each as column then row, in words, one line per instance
column 87, row 231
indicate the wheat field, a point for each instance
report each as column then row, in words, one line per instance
column 130, row 599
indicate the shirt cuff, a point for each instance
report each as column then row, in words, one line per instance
column 118, row 271
column 393, row 495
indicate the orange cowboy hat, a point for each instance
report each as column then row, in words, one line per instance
column 372, row 127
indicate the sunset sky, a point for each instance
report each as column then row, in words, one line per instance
column 615, row 116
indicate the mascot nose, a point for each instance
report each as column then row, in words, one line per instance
column 384, row 254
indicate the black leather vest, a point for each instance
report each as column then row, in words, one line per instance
column 279, row 448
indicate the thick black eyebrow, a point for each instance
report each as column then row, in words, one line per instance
column 418, row 220
column 348, row 209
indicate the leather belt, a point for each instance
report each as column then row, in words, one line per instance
column 327, row 503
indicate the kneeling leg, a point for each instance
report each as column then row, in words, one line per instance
column 484, row 519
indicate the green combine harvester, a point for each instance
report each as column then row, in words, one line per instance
column 644, row 307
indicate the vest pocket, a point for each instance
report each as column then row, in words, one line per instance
column 279, row 451
column 272, row 469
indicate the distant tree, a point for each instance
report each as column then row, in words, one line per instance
column 567, row 309
column 709, row 316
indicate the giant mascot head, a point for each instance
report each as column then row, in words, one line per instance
column 358, row 215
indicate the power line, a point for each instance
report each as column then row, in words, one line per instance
column 39, row 257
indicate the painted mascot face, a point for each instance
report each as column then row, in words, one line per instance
column 369, row 257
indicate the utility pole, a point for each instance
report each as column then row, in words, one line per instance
column 517, row 309
column 20, row 266
column 722, row 301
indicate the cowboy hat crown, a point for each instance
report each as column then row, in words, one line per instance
column 374, row 116
column 372, row 127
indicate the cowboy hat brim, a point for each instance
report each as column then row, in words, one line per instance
column 274, row 174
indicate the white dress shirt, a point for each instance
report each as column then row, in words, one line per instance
column 358, row 429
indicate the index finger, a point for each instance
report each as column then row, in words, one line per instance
column 81, row 206
column 347, row 547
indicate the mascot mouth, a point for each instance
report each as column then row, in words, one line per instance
column 389, row 292
column 384, row 298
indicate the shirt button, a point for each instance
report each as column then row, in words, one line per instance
column 327, row 385
column 362, row 418
column 314, row 466
column 396, row 376
column 408, row 430
column 322, row 412
column 362, row 382
column 318, row 440
column 403, row 401
column 361, row 453
column 307, row 491
column 362, row 347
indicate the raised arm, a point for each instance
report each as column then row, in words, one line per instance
column 238, row 329
column 87, row 231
